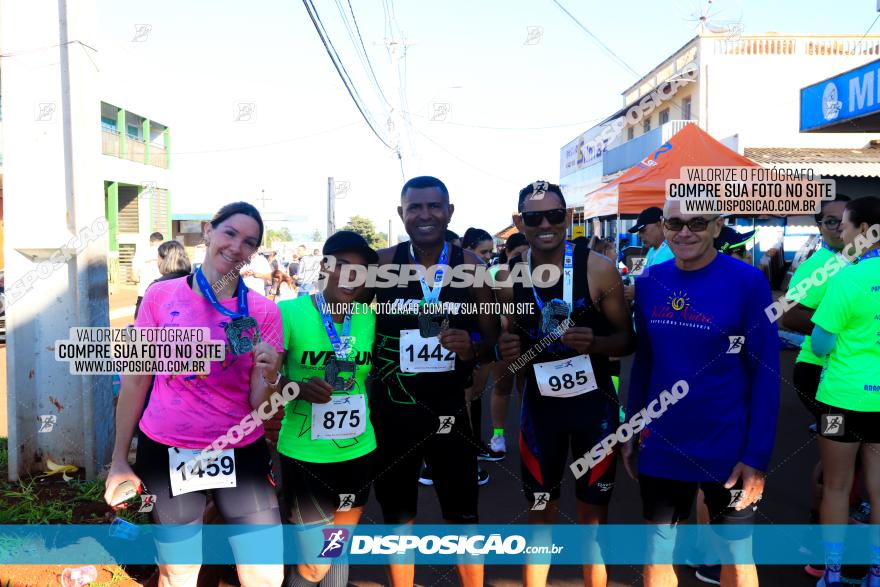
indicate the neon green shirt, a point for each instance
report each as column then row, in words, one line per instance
column 308, row 347
column 851, row 310
column 813, row 294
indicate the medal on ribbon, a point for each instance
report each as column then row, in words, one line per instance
column 235, row 329
column 340, row 362
column 431, row 318
column 431, row 323
column 555, row 312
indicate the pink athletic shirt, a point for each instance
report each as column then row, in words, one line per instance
column 191, row 411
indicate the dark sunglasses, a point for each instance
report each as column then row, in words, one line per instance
column 831, row 223
column 533, row 219
column 697, row 224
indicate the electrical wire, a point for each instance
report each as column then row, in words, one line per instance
column 346, row 80
column 363, row 47
column 596, row 39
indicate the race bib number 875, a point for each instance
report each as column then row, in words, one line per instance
column 342, row 417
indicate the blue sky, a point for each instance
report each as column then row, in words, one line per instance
column 202, row 58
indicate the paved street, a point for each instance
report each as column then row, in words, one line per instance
column 502, row 501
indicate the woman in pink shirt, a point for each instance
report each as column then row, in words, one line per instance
column 188, row 413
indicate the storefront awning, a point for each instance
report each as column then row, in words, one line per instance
column 823, row 162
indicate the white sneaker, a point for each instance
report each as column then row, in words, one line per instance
column 497, row 444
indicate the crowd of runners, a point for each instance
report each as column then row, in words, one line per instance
column 389, row 400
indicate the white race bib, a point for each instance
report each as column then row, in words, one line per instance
column 566, row 377
column 190, row 473
column 344, row 416
column 424, row 355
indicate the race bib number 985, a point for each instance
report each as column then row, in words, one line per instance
column 424, row 355
column 566, row 377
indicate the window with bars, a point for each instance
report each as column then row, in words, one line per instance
column 160, row 214
column 128, row 211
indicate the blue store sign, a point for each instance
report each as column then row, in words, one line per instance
column 849, row 102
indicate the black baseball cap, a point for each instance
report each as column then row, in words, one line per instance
column 346, row 240
column 731, row 239
column 646, row 217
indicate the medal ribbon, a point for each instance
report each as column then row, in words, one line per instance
column 869, row 255
column 209, row 294
column 330, row 327
column 431, row 295
column 567, row 277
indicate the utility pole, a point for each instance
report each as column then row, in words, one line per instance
column 263, row 200
column 397, row 121
column 56, row 273
column 389, row 220
column 331, row 207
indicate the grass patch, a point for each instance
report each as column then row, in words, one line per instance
column 50, row 500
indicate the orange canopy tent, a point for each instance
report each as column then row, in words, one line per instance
column 645, row 184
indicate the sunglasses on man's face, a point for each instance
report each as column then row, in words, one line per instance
column 697, row 224
column 830, row 222
column 533, row 219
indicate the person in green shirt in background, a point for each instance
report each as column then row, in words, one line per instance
column 807, row 366
column 326, row 442
column 502, row 379
column 848, row 399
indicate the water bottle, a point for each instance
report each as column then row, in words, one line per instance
column 78, row 577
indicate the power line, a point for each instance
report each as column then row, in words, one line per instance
column 363, row 47
column 272, row 144
column 464, row 161
column 511, row 128
column 596, row 39
column 346, row 80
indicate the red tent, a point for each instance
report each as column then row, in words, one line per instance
column 645, row 184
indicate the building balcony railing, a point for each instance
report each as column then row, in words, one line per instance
column 134, row 149
column 110, row 143
column 632, row 152
column 792, row 45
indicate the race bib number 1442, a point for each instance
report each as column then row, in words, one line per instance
column 424, row 355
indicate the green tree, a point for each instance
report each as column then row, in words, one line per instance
column 365, row 227
column 274, row 234
column 317, row 236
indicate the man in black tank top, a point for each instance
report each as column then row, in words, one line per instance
column 425, row 353
column 562, row 341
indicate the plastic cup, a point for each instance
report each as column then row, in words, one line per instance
column 79, row 576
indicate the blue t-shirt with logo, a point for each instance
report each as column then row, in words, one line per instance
column 708, row 328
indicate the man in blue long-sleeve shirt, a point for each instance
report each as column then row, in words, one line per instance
column 703, row 334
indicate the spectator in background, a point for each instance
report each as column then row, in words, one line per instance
column 479, row 241
column 733, row 243
column 145, row 268
column 293, row 266
column 452, row 238
column 309, row 269
column 257, row 274
column 650, row 230
column 173, row 263
column 284, row 288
